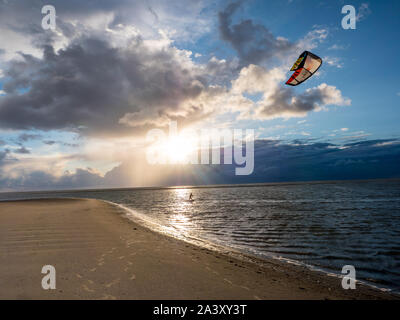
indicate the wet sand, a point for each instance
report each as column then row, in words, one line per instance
column 99, row 254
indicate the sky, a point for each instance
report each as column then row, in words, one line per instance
column 77, row 102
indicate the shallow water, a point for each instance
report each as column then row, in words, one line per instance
column 324, row 225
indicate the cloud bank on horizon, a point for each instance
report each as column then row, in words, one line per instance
column 76, row 103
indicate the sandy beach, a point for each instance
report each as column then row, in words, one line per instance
column 99, row 254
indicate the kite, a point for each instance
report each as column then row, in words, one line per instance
column 305, row 66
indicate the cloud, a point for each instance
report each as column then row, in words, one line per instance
column 49, row 142
column 310, row 41
column 149, row 83
column 254, row 79
column 275, row 161
column 108, row 79
column 279, row 101
column 284, row 103
column 254, row 43
column 22, row 150
column 71, row 145
column 27, row 137
column 337, row 47
column 3, row 155
column 92, row 86
column 42, row 180
column 363, row 12
column 181, row 19
column 334, row 61
column 385, row 143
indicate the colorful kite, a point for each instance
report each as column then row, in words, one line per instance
column 305, row 66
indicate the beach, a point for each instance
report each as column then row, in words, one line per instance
column 100, row 254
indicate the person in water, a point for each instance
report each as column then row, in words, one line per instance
column 191, row 197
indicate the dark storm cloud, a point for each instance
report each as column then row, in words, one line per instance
column 254, row 43
column 275, row 161
column 90, row 85
column 85, row 177
column 40, row 180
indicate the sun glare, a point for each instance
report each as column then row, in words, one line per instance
column 178, row 149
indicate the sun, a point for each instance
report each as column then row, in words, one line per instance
column 177, row 149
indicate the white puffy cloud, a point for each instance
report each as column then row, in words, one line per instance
column 20, row 21
column 334, row 61
column 278, row 101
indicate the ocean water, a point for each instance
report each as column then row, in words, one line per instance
column 324, row 225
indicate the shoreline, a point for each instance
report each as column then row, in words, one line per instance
column 99, row 253
column 236, row 252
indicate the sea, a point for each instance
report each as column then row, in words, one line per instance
column 323, row 225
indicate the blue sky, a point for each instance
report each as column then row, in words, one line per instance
column 75, row 103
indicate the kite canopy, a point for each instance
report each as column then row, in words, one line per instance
column 305, row 66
